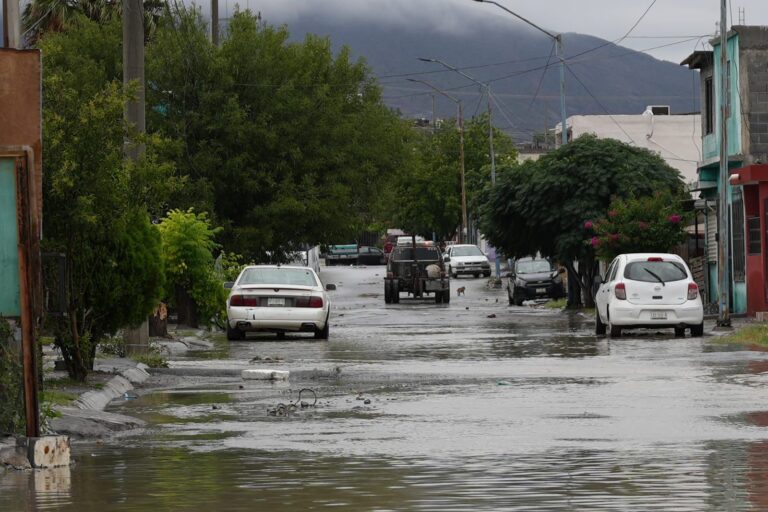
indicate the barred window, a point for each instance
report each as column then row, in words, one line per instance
column 753, row 233
column 737, row 236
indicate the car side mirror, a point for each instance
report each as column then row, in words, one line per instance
column 447, row 259
column 598, row 280
column 330, row 287
column 229, row 284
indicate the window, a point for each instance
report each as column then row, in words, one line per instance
column 615, row 270
column 655, row 271
column 737, row 236
column 533, row 267
column 709, row 107
column 753, row 232
column 278, row 276
column 470, row 250
column 422, row 253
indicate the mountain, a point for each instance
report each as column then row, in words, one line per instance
column 614, row 79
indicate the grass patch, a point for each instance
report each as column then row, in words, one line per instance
column 56, row 397
column 555, row 304
column 754, row 334
column 153, row 360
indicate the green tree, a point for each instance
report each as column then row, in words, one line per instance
column 653, row 223
column 284, row 143
column 542, row 206
column 93, row 212
column 427, row 193
column 192, row 284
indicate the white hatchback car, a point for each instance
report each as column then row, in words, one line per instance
column 648, row 290
column 279, row 299
column 466, row 259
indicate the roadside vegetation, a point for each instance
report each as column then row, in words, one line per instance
column 752, row 334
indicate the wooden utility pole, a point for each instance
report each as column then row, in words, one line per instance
column 11, row 24
column 724, row 233
column 215, row 22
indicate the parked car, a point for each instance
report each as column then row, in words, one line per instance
column 371, row 256
column 533, row 278
column 466, row 259
column 345, row 254
column 648, row 290
column 417, row 270
column 279, row 299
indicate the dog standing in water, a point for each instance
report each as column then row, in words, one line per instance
column 460, row 291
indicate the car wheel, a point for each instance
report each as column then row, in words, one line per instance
column 599, row 325
column 395, row 291
column 281, row 335
column 446, row 296
column 697, row 330
column 615, row 331
column 487, row 274
column 509, row 297
column 438, row 297
column 234, row 334
column 322, row 334
column 387, row 292
column 518, row 299
column 476, row 275
column 679, row 332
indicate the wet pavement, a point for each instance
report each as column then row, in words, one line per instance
column 527, row 410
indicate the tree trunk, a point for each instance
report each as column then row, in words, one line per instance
column 158, row 322
column 186, row 308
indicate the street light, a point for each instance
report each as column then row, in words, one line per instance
column 487, row 87
column 463, row 233
column 559, row 41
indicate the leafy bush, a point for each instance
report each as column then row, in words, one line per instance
column 188, row 245
column 11, row 397
column 645, row 224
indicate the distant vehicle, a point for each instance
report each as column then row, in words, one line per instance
column 279, row 299
column 648, row 290
column 390, row 239
column 533, row 278
column 408, row 239
column 371, row 256
column 341, row 254
column 466, row 259
column 417, row 270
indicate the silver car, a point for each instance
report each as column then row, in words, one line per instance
column 279, row 299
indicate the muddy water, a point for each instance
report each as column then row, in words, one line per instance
column 522, row 411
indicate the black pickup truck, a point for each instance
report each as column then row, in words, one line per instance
column 417, row 270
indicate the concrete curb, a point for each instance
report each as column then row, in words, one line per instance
column 98, row 400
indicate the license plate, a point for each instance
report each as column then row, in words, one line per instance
column 541, row 290
column 658, row 315
column 275, row 302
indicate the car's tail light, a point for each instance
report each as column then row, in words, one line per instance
column 621, row 291
column 693, row 291
column 308, row 302
column 244, row 301
column 655, row 258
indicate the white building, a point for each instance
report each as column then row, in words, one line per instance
column 676, row 138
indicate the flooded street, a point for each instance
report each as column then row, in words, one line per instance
column 474, row 405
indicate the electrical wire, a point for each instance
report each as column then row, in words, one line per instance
column 541, row 78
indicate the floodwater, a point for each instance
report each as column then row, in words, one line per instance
column 524, row 410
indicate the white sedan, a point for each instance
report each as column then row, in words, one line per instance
column 466, row 259
column 279, row 299
column 648, row 290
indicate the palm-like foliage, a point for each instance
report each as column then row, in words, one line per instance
column 44, row 16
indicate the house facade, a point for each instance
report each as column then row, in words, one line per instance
column 746, row 96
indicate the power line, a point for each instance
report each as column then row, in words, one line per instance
column 541, row 78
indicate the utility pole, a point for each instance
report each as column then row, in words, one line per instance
column 11, row 24
column 724, row 235
column 215, row 22
column 563, row 114
column 137, row 339
column 463, row 234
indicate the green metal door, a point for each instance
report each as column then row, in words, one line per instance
column 9, row 241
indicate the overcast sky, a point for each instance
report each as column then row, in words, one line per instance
column 608, row 19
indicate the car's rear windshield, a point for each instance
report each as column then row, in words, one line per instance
column 422, row 253
column 533, row 266
column 466, row 251
column 655, row 271
column 280, row 276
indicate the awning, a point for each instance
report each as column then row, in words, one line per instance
column 749, row 175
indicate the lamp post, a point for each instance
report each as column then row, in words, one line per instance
column 558, row 38
column 463, row 234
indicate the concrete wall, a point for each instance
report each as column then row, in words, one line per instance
column 754, row 92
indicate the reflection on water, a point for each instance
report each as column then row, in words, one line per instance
column 712, row 476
